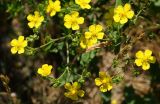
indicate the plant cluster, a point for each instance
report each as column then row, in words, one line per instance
column 82, row 36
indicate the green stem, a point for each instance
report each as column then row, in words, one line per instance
column 138, row 14
column 52, row 41
column 67, row 50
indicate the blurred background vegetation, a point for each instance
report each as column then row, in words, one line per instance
column 21, row 85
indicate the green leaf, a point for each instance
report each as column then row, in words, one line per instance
column 87, row 57
column 48, row 47
column 60, row 46
column 54, row 50
column 157, row 3
column 117, row 79
column 32, row 38
column 118, row 2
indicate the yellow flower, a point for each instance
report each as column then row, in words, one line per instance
column 45, row 70
column 86, row 43
column 90, row 38
column 73, row 20
column 35, row 20
column 73, row 91
column 104, row 81
column 18, row 45
column 122, row 14
column 84, row 4
column 94, row 32
column 144, row 59
column 53, row 7
column 114, row 101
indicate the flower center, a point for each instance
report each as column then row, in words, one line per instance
column 73, row 91
column 123, row 14
column 105, row 80
column 18, row 46
column 74, row 21
column 145, row 59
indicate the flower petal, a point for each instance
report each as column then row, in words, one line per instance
column 92, row 28
column 127, row 7
column 75, row 14
column 87, row 6
column 119, row 9
column 100, row 35
column 14, row 50
column 81, row 93
column 99, row 28
column 20, row 39
column 30, row 17
column 75, row 26
column 53, row 13
column 36, row 13
column 93, row 41
column 98, row 81
column 123, row 20
column 88, row 35
column 80, row 20
column 102, row 74
column 76, row 85
column 68, row 86
column 24, row 43
column 67, row 94
column 67, row 17
column 83, row 45
column 37, row 25
column 21, row 50
column 109, row 87
column 139, row 54
column 31, row 24
column 148, row 53
column 152, row 59
column 40, row 71
column 116, row 17
column 67, row 24
column 130, row 14
column 103, row 88
column 145, row 66
column 138, row 62
column 41, row 19
column 74, row 97
column 14, row 42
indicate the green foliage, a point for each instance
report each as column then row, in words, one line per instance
column 14, row 8
column 87, row 57
column 117, row 79
column 73, row 63
column 156, row 2
column 118, row 2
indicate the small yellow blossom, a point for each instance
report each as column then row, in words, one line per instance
column 53, row 7
column 73, row 20
column 90, row 38
column 45, row 70
column 104, row 81
column 114, row 101
column 86, row 43
column 73, row 91
column 35, row 20
column 144, row 59
column 122, row 14
column 84, row 4
column 18, row 45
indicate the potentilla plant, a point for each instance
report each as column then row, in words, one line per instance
column 82, row 36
